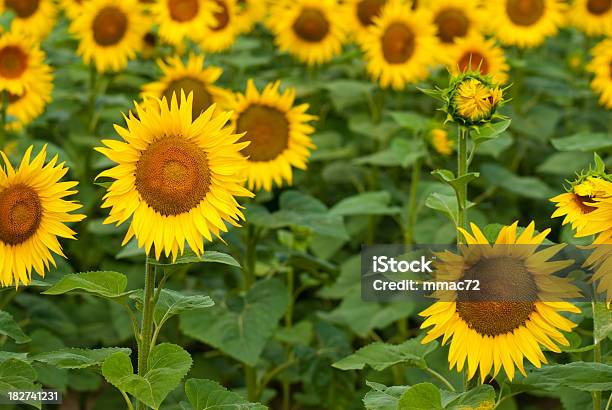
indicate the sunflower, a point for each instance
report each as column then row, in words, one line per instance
column 180, row 19
column 278, row 132
column 454, row 19
column 399, row 46
column 310, row 30
column 21, row 64
column 72, row 8
column 34, row 18
column 110, row 32
column 601, row 66
column 28, row 105
column 33, row 213
column 600, row 262
column 516, row 309
column 594, row 17
column 475, row 53
column 524, row 23
column 176, row 176
column 441, row 142
column 249, row 13
column 578, row 205
column 361, row 14
column 475, row 101
column 220, row 34
column 190, row 77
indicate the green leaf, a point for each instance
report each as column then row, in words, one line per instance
column 583, row 376
column 18, row 375
column 422, row 396
column 380, row 356
column 207, row 257
column 172, row 303
column 478, row 396
column 299, row 334
column 448, row 177
column 564, row 163
column 209, row 395
column 529, row 187
column 490, row 131
column 167, row 365
column 401, row 153
column 241, row 325
column 411, row 120
column 73, row 358
column 583, row 141
column 368, row 203
column 602, row 318
column 382, row 397
column 446, row 204
column 10, row 328
column 105, row 284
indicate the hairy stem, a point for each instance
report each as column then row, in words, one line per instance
column 462, row 169
column 147, row 323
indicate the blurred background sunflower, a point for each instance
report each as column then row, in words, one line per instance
column 180, row 19
column 454, row 19
column 249, row 13
column 221, row 34
column 34, row 18
column 593, row 17
column 476, row 53
column 601, row 67
column 360, row 16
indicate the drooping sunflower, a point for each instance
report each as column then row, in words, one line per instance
column 176, row 176
column 310, row 30
column 475, row 53
column 190, row 77
column 180, row 19
column 34, row 18
column 278, row 132
column 360, row 16
column 579, row 203
column 110, row 32
column 524, row 23
column 33, row 214
column 454, row 19
column 221, row 34
column 249, row 13
column 21, row 64
column 594, row 17
column 516, row 310
column 601, row 67
column 399, row 45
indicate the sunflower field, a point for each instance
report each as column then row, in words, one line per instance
column 196, row 194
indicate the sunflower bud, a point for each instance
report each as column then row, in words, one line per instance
column 472, row 99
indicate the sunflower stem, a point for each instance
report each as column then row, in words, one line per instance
column 250, row 257
column 147, row 323
column 441, row 378
column 412, row 202
column 596, row 395
column 462, row 169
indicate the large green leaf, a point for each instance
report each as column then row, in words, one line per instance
column 172, row 303
column 106, row 284
column 382, row 397
column 209, row 395
column 379, row 355
column 583, row 141
column 422, row 396
column 207, row 257
column 583, row 376
column 530, row 187
column 368, row 203
column 10, row 328
column 411, row 120
column 490, row 131
column 240, row 326
column 167, row 365
column 456, row 183
column 17, row 375
column 73, row 358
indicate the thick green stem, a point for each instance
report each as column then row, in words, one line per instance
column 596, row 395
column 412, row 203
column 147, row 322
column 462, row 169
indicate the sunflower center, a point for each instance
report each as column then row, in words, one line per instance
column 398, row 43
column 268, row 130
column 368, row 9
column 525, row 12
column 20, row 214
column 311, row 25
column 23, row 8
column 451, row 23
column 471, row 60
column 109, row 26
column 201, row 97
column 581, row 203
column 599, row 7
column 13, row 62
column 183, row 10
column 506, row 298
column 172, row 175
column 221, row 16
